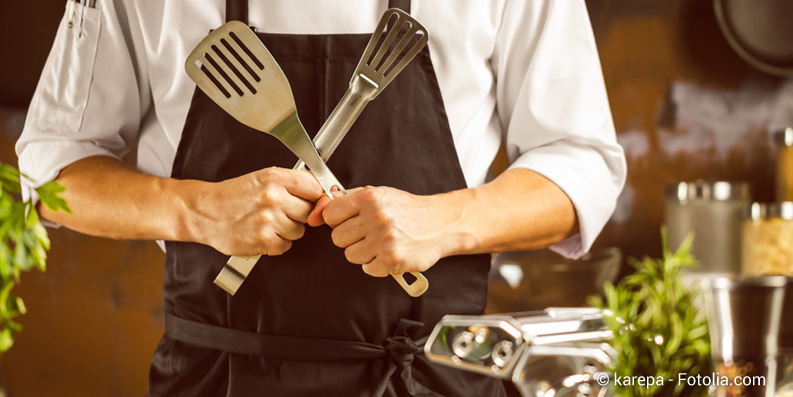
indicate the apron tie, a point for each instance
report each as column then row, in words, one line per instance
column 401, row 349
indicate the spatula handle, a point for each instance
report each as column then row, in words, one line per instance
column 335, row 128
column 331, row 134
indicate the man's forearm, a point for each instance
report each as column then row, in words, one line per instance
column 261, row 212
column 111, row 199
column 519, row 210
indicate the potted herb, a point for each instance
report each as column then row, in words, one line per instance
column 660, row 338
column 23, row 244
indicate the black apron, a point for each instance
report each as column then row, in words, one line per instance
column 309, row 323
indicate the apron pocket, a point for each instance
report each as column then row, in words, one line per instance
column 66, row 79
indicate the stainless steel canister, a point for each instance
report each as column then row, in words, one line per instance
column 744, row 318
column 714, row 211
column 785, row 386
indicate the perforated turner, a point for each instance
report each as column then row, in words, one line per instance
column 382, row 60
column 237, row 72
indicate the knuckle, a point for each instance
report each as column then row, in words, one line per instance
column 262, row 239
column 264, row 176
column 272, row 176
column 370, row 195
column 266, row 218
column 265, row 237
column 394, row 258
column 390, row 236
column 269, row 196
column 381, row 216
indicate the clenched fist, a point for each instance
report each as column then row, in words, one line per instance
column 260, row 213
column 387, row 230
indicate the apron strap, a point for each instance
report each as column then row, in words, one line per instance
column 403, row 5
column 269, row 346
column 399, row 349
column 237, row 10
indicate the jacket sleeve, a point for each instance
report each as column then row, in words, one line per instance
column 88, row 100
column 552, row 104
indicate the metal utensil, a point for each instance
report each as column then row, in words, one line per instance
column 237, row 72
column 376, row 69
column 544, row 353
column 369, row 79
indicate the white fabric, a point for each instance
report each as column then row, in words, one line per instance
column 526, row 71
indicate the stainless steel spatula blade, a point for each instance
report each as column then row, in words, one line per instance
column 237, row 72
column 385, row 57
column 229, row 65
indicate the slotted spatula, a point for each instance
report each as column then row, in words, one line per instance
column 375, row 70
column 237, row 72
column 382, row 60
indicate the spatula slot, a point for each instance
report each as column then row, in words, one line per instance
column 237, row 56
column 234, row 69
column 410, row 35
column 223, row 74
column 247, row 51
column 212, row 78
column 387, row 54
column 415, row 41
column 385, row 45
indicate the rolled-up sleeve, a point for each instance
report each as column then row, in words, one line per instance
column 553, row 107
column 88, row 99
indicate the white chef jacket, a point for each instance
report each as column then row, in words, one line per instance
column 523, row 71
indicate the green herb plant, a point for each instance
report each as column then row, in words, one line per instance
column 658, row 330
column 23, row 244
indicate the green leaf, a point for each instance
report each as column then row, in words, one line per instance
column 48, row 194
column 23, row 244
column 6, row 339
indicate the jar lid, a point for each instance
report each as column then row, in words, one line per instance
column 784, row 137
column 729, row 283
column 782, row 210
column 708, row 190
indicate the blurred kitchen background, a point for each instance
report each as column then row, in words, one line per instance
column 686, row 106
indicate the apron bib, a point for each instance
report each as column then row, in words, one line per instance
column 309, row 323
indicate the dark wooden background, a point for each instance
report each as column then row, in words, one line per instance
column 685, row 107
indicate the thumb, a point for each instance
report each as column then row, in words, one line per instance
column 315, row 217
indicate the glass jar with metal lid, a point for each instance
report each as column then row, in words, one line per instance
column 714, row 211
column 768, row 240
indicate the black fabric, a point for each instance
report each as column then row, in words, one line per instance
column 270, row 346
column 402, row 139
column 237, row 10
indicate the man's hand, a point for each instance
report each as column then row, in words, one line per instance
column 260, row 213
column 390, row 231
column 386, row 230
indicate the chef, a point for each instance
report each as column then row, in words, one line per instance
column 317, row 316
